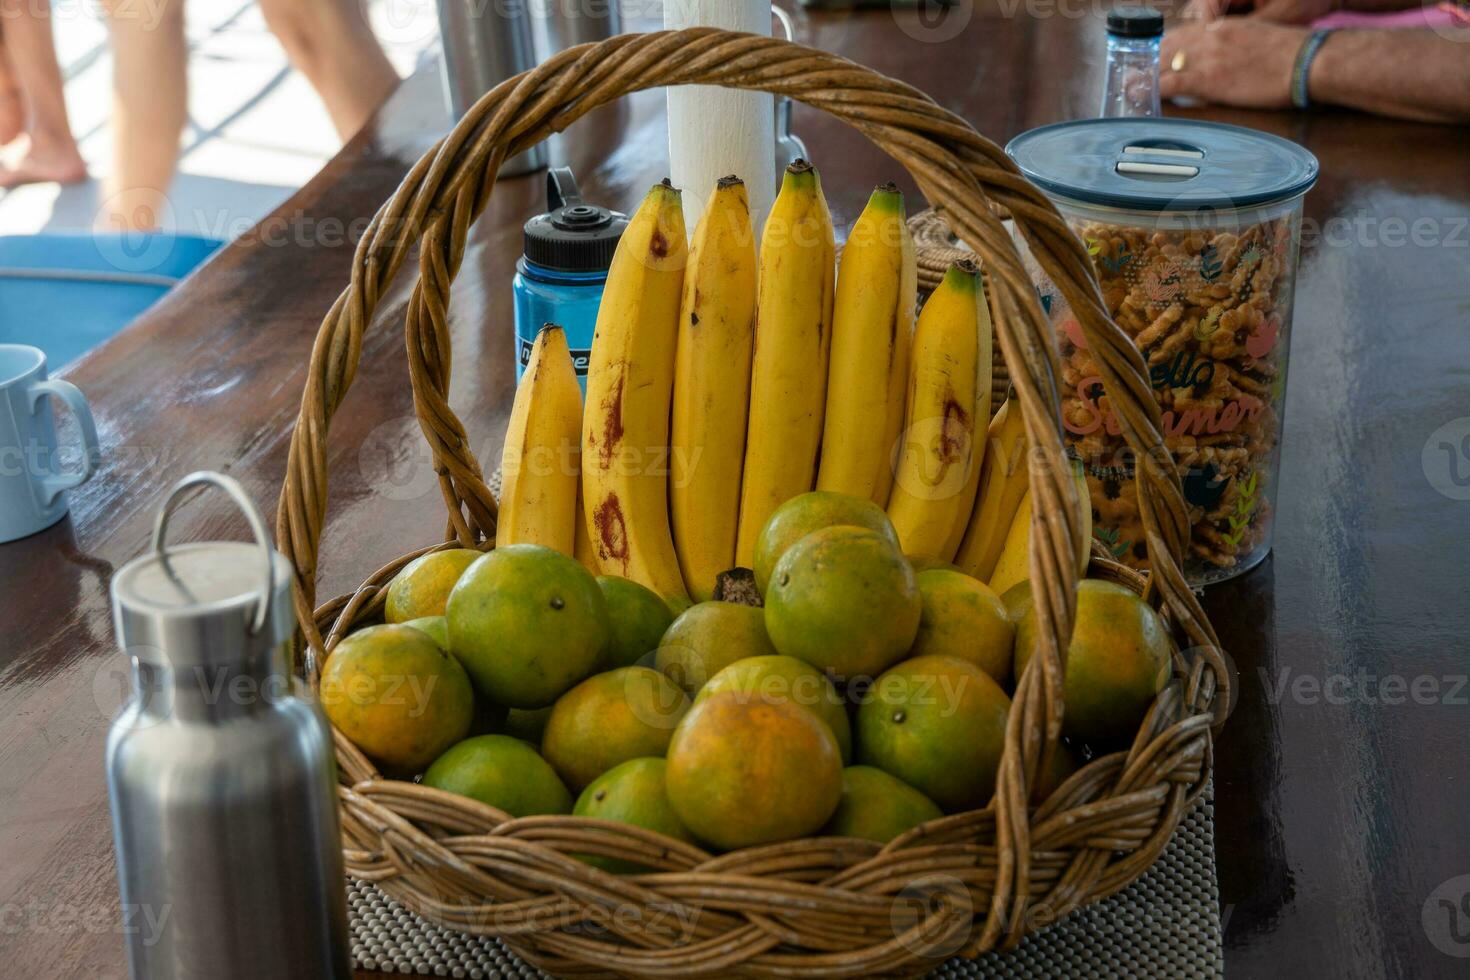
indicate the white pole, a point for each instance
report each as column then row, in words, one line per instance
column 716, row 131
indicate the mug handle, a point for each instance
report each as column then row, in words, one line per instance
column 72, row 396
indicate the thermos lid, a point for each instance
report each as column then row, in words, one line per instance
column 211, row 602
column 1135, row 22
column 573, row 236
column 1166, row 165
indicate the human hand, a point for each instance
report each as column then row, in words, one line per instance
column 1235, row 61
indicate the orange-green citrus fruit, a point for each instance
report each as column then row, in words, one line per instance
column 876, row 806
column 938, row 724
column 751, row 772
column 502, row 772
column 845, row 600
column 632, row 793
column 397, row 696
column 528, row 623
column 708, row 637
column 638, row 619
column 1116, row 664
column 526, row 724
column 422, row 587
column 610, row 718
column 808, row 512
column 778, row 678
column 963, row 618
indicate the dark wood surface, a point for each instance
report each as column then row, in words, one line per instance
column 1339, row 814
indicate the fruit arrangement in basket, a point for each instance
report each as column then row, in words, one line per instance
column 770, row 581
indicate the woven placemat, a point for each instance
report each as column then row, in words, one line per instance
column 1166, row 925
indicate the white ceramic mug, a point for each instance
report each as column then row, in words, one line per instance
column 32, row 490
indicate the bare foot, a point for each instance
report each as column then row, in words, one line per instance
column 39, row 163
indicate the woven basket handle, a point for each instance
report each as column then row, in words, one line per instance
column 956, row 169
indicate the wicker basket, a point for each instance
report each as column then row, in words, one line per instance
column 824, row 907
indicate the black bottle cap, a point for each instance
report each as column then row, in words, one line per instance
column 1135, row 22
column 572, row 236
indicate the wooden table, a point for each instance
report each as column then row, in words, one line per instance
column 1341, row 779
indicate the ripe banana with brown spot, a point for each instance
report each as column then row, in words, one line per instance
column 872, row 327
column 630, row 379
column 984, row 370
column 538, row 466
column 932, row 471
column 712, row 389
column 793, row 333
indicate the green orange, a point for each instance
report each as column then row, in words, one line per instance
column 746, row 772
column 963, row 618
column 1116, row 664
column 938, row 724
column 397, row 696
column 708, row 637
column 526, row 724
column 422, row 587
column 778, row 678
column 808, row 512
column 876, row 806
column 528, row 623
column 638, row 619
column 610, row 718
column 502, row 772
column 434, row 626
column 631, row 793
column 845, row 600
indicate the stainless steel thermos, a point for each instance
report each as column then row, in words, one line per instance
column 484, row 44
column 222, row 780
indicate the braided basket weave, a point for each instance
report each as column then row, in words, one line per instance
column 825, row 907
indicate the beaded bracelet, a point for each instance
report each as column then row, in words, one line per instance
column 1303, row 68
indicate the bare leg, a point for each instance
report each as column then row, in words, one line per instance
column 149, row 107
column 12, row 110
column 332, row 44
column 50, row 151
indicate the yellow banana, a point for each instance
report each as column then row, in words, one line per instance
column 582, row 548
column 932, row 470
column 984, row 369
column 712, row 389
column 1014, row 564
column 872, row 324
column 538, row 466
column 630, row 379
column 1003, row 482
column 788, row 384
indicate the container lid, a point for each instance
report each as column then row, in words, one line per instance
column 1135, row 22
column 1151, row 164
column 210, row 602
column 573, row 236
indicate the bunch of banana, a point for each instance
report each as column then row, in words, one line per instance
column 872, row 324
column 538, row 500
column 788, row 385
column 1014, row 564
column 712, row 388
column 1003, row 482
column 938, row 448
column 630, row 379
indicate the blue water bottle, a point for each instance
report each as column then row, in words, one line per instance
column 560, row 276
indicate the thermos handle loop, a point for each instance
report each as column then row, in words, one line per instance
column 242, row 500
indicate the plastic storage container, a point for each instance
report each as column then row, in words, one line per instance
column 560, row 277
column 1193, row 227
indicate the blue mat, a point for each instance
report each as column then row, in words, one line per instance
column 67, row 293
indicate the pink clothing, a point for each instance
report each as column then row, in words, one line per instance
column 1418, row 17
